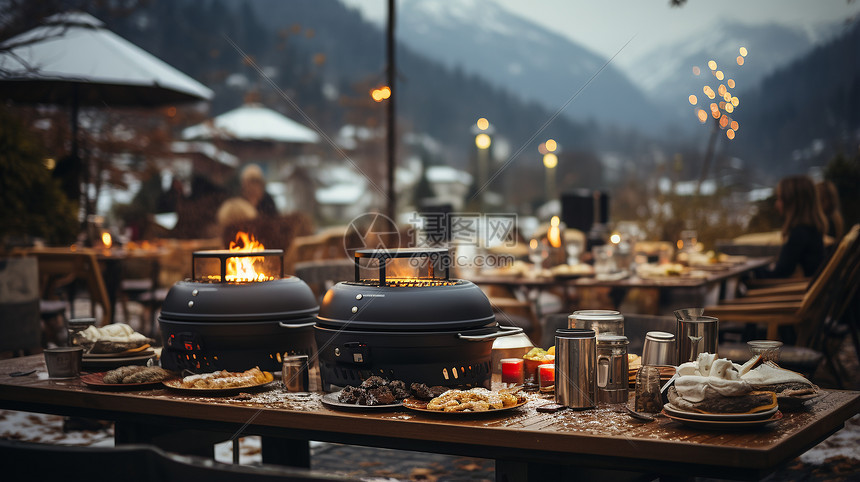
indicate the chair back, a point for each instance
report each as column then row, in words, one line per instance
column 19, row 305
column 831, row 291
column 55, row 264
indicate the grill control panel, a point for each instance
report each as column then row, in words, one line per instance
column 353, row 352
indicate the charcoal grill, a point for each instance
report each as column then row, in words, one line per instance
column 218, row 321
column 421, row 326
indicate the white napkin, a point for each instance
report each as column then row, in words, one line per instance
column 770, row 375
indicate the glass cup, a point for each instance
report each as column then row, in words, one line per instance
column 546, row 377
column 768, row 349
column 604, row 261
column 513, row 370
column 648, row 397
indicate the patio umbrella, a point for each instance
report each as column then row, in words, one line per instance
column 72, row 59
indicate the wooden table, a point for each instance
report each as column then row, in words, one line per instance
column 524, row 443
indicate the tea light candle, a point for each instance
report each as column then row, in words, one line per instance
column 546, row 377
column 512, row 370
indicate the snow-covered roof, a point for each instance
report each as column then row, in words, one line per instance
column 252, row 122
column 207, row 149
column 447, row 174
column 340, row 194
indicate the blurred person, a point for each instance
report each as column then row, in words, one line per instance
column 803, row 229
column 234, row 210
column 253, row 189
column 829, row 199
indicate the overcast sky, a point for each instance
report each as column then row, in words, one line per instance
column 606, row 25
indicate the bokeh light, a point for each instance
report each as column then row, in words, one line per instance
column 734, row 125
column 730, row 134
column 721, row 90
column 712, row 65
column 551, row 145
column 740, row 60
column 731, row 83
column 696, row 70
column 735, row 101
column 719, row 75
column 482, row 141
column 724, row 121
column 550, row 160
column 730, row 108
column 693, row 100
column 542, row 148
column 702, row 115
column 483, row 123
column 743, row 51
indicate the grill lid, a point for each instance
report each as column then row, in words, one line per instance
column 460, row 305
column 282, row 299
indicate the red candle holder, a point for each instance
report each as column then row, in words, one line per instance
column 546, row 377
column 512, row 370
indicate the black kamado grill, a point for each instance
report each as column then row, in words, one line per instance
column 418, row 328
column 236, row 319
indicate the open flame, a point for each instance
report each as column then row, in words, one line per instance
column 242, row 269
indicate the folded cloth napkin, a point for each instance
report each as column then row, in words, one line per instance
column 710, row 376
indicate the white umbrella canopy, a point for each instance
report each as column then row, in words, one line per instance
column 73, row 58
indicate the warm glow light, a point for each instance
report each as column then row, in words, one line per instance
column 722, row 104
column 242, row 269
column 376, row 95
column 734, row 125
column 721, row 89
column 724, row 121
column 712, row 65
column 107, row 240
column 483, row 141
column 50, row 163
column 740, row 60
column 542, row 148
column 554, row 221
column 550, row 160
column 702, row 115
column 735, row 101
column 385, row 91
column 680, row 244
column 708, row 91
column 615, row 238
column 171, row 111
column 533, row 244
column 483, row 123
column 696, row 70
column 715, row 114
column 730, row 134
column 730, row 108
column 719, row 75
column 714, row 107
column 551, row 145
column 727, row 97
column 553, row 235
column 693, row 100
column 743, row 51
column 731, row 83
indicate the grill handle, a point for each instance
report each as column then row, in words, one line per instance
column 296, row 326
column 503, row 331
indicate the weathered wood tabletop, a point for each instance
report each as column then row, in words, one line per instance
column 524, row 442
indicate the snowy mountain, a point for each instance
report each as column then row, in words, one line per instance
column 484, row 39
column 667, row 75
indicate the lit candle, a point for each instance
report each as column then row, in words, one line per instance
column 546, row 377
column 512, row 370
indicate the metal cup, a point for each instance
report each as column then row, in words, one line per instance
column 697, row 334
column 575, row 368
column 603, row 322
column 64, row 361
column 295, row 373
column 658, row 349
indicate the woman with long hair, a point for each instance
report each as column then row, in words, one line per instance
column 803, row 228
column 828, row 196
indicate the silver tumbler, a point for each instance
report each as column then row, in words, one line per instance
column 575, row 368
column 659, row 349
column 697, row 334
column 295, row 374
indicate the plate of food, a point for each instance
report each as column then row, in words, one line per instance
column 469, row 402
column 131, row 377
column 221, row 383
column 333, row 400
column 145, row 349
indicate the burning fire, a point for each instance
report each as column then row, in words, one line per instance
column 242, row 269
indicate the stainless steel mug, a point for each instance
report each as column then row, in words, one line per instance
column 295, row 374
column 696, row 334
column 575, row 368
column 603, row 322
column 659, row 349
column 612, row 375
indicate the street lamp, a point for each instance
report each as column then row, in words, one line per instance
column 482, row 142
column 550, row 161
